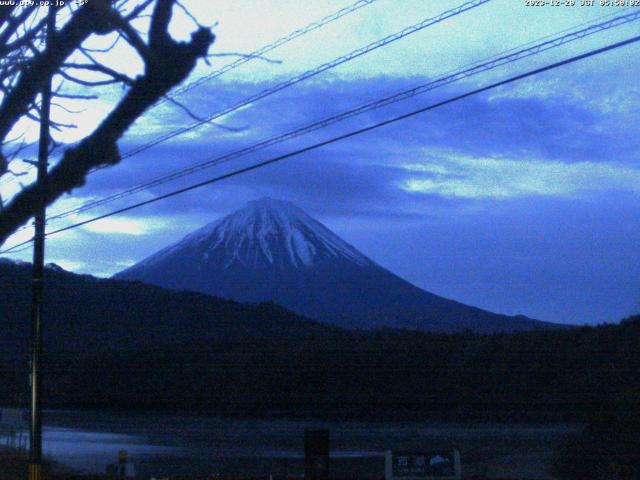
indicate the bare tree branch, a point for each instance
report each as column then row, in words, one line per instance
column 132, row 37
column 72, row 96
column 105, row 49
column 13, row 23
column 29, row 36
column 86, row 83
column 167, row 65
column 158, row 32
column 245, row 55
column 138, row 10
column 67, row 109
column 85, row 22
column 96, row 67
column 197, row 118
column 189, row 14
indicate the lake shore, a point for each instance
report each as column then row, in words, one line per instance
column 14, row 466
column 194, row 447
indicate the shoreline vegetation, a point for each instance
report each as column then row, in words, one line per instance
column 122, row 346
column 533, row 377
column 220, row 358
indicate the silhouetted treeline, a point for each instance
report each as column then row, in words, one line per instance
column 133, row 346
column 563, row 375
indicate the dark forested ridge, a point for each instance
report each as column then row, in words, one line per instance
column 529, row 376
column 263, row 360
column 272, row 250
column 91, row 315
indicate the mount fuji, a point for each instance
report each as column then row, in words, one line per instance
column 271, row 250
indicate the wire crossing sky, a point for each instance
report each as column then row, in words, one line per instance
column 261, row 52
column 494, row 62
column 428, row 22
column 257, row 54
column 521, row 200
column 347, row 135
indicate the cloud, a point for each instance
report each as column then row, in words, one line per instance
column 495, row 200
column 124, row 225
column 519, row 146
column 67, row 264
column 480, row 178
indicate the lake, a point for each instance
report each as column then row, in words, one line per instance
column 169, row 444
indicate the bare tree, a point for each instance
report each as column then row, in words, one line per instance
column 26, row 62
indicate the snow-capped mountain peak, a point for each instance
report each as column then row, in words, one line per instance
column 265, row 232
column 272, row 250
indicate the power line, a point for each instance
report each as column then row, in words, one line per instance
column 315, row 25
column 5, row 180
column 306, row 75
column 428, row 22
column 477, row 68
column 353, row 133
column 26, row 245
column 272, row 46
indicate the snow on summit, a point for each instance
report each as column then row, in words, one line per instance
column 265, row 231
column 271, row 250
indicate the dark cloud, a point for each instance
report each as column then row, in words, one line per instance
column 522, row 255
column 561, row 129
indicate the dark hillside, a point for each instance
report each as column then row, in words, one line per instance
column 114, row 344
column 89, row 315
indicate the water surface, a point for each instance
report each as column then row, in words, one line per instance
column 166, row 444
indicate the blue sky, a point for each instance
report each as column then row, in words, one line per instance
column 524, row 199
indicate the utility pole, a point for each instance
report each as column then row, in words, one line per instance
column 35, row 438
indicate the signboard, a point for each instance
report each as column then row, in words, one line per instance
column 316, row 454
column 422, row 465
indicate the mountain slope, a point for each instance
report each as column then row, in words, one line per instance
column 86, row 314
column 272, row 250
